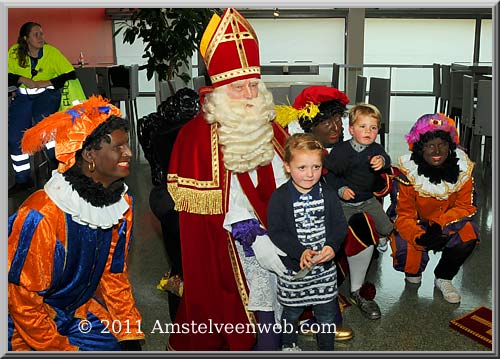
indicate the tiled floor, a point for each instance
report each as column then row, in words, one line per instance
column 415, row 318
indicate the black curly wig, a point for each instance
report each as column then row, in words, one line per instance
column 448, row 171
column 327, row 109
column 95, row 193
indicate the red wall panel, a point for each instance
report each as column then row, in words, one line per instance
column 71, row 30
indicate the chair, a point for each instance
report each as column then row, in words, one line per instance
column 456, row 93
column 445, row 88
column 198, row 81
column 483, row 126
column 103, row 84
column 436, row 84
column 88, row 79
column 42, row 167
column 361, row 89
column 335, row 75
column 467, row 116
column 295, row 89
column 280, row 95
column 167, row 89
column 124, row 86
column 380, row 95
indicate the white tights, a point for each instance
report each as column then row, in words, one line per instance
column 358, row 266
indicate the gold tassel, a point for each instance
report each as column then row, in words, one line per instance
column 286, row 114
column 195, row 200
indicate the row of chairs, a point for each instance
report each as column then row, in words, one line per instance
column 379, row 94
column 117, row 83
column 467, row 99
column 170, row 87
column 476, row 122
column 447, row 89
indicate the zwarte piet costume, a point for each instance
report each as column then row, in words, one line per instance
column 67, row 250
column 438, row 203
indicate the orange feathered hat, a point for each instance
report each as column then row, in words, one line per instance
column 69, row 129
column 230, row 49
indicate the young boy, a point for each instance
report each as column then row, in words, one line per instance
column 356, row 164
column 305, row 221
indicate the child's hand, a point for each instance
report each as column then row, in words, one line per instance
column 377, row 162
column 348, row 194
column 306, row 258
column 326, row 254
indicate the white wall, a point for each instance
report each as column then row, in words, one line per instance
column 318, row 40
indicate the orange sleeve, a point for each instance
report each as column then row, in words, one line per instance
column 406, row 220
column 33, row 322
column 33, row 319
column 461, row 208
column 117, row 291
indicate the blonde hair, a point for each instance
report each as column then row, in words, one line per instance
column 364, row 109
column 302, row 142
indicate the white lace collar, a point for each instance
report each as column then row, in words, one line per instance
column 442, row 190
column 68, row 200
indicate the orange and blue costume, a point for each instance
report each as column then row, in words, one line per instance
column 67, row 273
column 418, row 202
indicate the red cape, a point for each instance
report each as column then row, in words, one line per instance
column 213, row 311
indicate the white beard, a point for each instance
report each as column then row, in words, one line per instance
column 245, row 132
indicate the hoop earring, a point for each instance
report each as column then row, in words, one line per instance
column 92, row 166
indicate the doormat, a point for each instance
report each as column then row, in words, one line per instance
column 475, row 325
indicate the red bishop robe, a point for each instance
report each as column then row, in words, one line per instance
column 212, row 315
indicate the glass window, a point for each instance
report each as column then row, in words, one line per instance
column 415, row 42
column 486, row 45
column 301, row 42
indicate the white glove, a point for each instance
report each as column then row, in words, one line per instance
column 267, row 254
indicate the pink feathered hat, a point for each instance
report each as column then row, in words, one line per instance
column 431, row 123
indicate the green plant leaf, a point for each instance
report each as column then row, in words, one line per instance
column 170, row 37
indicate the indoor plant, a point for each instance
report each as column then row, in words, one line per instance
column 170, row 36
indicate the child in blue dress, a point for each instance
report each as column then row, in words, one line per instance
column 305, row 220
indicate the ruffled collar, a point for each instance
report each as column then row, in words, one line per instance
column 82, row 212
column 442, row 190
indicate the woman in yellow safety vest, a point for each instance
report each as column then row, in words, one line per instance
column 39, row 71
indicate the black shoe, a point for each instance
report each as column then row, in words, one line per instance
column 53, row 164
column 20, row 187
column 369, row 308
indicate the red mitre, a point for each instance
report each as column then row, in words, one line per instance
column 230, row 49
